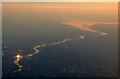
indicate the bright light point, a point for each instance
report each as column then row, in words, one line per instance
column 18, row 56
column 82, row 37
column 103, row 34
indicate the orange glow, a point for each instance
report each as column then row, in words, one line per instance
column 85, row 25
column 2, row 53
column 18, row 56
column 5, row 47
column 89, row 8
column 108, row 23
column 82, row 37
column 19, row 50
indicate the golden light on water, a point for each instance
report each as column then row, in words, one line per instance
column 18, row 56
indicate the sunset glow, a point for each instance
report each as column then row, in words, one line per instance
column 65, row 39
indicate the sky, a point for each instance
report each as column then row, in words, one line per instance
column 72, row 14
column 104, row 8
column 59, row 0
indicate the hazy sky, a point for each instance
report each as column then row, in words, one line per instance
column 60, row 0
column 100, row 12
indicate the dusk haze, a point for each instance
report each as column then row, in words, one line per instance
column 59, row 39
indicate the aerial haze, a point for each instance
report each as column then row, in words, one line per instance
column 52, row 39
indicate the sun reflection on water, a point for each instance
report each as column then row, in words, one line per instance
column 18, row 57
